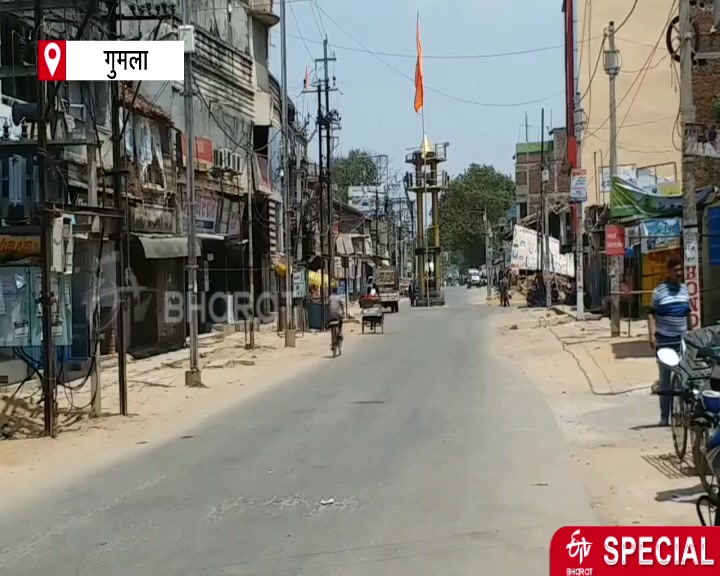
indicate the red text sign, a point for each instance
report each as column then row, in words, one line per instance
column 635, row 551
column 614, row 240
column 693, row 286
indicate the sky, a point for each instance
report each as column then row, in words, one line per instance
column 481, row 111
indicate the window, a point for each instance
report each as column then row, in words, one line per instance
column 521, row 178
column 523, row 210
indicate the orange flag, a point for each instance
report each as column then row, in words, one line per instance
column 419, row 91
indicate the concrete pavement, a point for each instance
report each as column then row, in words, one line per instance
column 417, row 452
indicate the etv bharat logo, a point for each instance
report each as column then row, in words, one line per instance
column 579, row 549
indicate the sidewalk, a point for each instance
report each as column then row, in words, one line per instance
column 599, row 389
column 160, row 405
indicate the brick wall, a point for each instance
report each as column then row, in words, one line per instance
column 556, row 162
column 706, row 86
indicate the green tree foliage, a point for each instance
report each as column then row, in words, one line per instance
column 355, row 169
column 478, row 188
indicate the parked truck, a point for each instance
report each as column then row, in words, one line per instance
column 388, row 287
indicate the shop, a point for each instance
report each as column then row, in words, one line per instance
column 157, row 263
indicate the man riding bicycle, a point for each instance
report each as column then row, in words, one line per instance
column 336, row 311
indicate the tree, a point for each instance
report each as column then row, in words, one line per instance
column 358, row 168
column 469, row 195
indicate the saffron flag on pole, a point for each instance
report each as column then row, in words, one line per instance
column 419, row 91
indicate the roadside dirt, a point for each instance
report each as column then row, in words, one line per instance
column 599, row 389
column 161, row 407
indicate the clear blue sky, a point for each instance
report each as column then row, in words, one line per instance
column 376, row 103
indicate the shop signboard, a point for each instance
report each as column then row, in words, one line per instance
column 152, row 219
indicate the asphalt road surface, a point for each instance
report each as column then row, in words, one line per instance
column 415, row 453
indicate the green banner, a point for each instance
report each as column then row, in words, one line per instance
column 628, row 200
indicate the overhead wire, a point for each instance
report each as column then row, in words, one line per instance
column 430, row 88
column 637, row 77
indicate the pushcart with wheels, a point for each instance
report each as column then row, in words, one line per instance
column 373, row 315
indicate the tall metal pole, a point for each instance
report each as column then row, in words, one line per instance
column 612, row 68
column 487, row 253
column 46, row 296
column 287, row 197
column 251, row 255
column 690, row 219
column 321, row 199
column 579, row 229
column 192, row 376
column 120, row 230
column 328, row 170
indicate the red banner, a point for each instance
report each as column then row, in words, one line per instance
column 635, row 551
column 614, row 240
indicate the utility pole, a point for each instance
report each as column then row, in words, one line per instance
column 612, row 69
column 579, row 124
column 46, row 296
column 287, row 198
column 328, row 170
column 321, row 199
column 120, row 228
column 542, row 224
column 251, row 256
column 687, row 117
column 95, row 378
column 193, row 376
column 488, row 254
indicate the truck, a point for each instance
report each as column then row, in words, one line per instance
column 388, row 287
column 474, row 279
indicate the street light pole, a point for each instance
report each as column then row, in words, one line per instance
column 289, row 324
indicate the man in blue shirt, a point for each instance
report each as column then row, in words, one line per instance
column 667, row 323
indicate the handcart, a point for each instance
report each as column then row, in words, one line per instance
column 373, row 314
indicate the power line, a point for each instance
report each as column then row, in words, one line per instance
column 297, row 25
column 481, row 56
column 629, row 14
column 429, row 88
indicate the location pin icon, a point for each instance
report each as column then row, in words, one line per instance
column 52, row 57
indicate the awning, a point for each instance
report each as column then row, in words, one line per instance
column 209, row 236
column 166, row 247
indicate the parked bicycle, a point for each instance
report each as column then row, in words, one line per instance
column 712, row 458
column 696, row 409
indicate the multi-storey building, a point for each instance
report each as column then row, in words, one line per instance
column 646, row 88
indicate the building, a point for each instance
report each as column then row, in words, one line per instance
column 646, row 88
column 236, row 116
column 528, row 179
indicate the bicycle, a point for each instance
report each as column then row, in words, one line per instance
column 686, row 384
column 335, row 338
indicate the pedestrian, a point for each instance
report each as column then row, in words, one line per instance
column 667, row 324
column 411, row 293
column 504, row 288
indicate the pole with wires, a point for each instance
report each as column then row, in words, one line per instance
column 687, row 116
column 612, row 68
column 328, row 169
column 285, row 170
column 48, row 378
column 321, row 200
column 120, row 227
column 193, row 376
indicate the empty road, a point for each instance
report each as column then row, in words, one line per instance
column 415, row 453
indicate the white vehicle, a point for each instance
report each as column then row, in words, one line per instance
column 474, row 278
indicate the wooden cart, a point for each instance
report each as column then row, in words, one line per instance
column 373, row 314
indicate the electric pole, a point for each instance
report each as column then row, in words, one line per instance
column 285, row 170
column 579, row 123
column 488, row 253
column 192, row 376
column 612, row 69
column 687, row 117
column 542, row 224
column 48, row 378
column 326, row 121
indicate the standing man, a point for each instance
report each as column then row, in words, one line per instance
column 667, row 324
column 504, row 286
